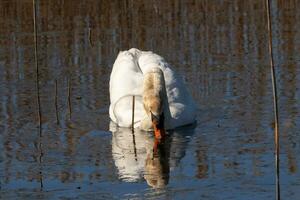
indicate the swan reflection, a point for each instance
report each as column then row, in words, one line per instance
column 138, row 157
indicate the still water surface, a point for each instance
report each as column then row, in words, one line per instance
column 221, row 50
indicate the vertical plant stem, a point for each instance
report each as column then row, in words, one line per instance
column 90, row 37
column 132, row 118
column 56, row 106
column 132, row 127
column 37, row 67
column 38, row 91
column 275, row 102
column 69, row 98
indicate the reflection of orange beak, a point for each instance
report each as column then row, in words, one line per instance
column 159, row 132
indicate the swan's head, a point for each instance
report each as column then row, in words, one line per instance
column 153, row 100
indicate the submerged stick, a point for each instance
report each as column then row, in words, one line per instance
column 56, row 106
column 69, row 98
column 275, row 102
column 38, row 91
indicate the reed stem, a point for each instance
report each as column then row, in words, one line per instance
column 37, row 67
column 90, row 37
column 69, row 98
column 56, row 104
column 38, row 90
column 275, row 102
column 133, row 105
column 132, row 127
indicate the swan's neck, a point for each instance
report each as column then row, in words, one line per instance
column 154, row 91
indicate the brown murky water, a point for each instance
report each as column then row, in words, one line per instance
column 220, row 47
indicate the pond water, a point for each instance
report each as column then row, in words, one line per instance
column 221, row 50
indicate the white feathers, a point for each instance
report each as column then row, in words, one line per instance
column 127, row 79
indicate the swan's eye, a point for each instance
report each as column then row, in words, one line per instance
column 153, row 117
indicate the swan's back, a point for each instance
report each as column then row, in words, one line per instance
column 127, row 80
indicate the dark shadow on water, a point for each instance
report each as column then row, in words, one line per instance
column 136, row 159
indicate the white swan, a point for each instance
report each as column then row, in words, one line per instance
column 162, row 100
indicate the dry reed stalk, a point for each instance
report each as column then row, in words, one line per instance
column 56, row 104
column 37, row 66
column 275, row 102
column 132, row 117
column 90, row 37
column 132, row 127
column 38, row 91
column 69, row 98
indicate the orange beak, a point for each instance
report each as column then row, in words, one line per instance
column 159, row 132
column 158, row 126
